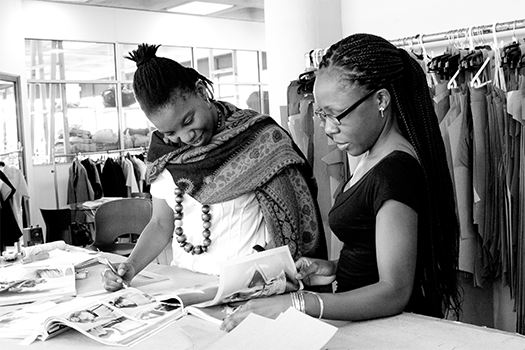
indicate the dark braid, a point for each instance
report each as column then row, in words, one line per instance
column 159, row 81
column 372, row 62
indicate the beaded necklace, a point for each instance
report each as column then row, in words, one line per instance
column 206, row 217
column 179, row 231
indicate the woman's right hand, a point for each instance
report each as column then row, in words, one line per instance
column 315, row 272
column 113, row 282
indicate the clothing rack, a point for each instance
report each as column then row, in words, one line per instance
column 457, row 33
column 79, row 154
column 313, row 57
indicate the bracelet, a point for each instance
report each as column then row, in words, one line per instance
column 298, row 301
column 321, row 303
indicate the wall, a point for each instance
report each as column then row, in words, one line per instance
column 402, row 18
column 46, row 20
column 10, row 36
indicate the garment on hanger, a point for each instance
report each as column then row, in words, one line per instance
column 93, row 176
column 79, row 187
column 18, row 181
column 10, row 231
column 113, row 180
column 330, row 165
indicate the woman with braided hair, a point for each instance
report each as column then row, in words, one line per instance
column 396, row 214
column 223, row 180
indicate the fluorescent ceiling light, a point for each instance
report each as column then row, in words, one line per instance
column 199, row 8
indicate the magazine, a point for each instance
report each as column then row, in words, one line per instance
column 129, row 315
column 122, row 318
column 253, row 276
column 26, row 283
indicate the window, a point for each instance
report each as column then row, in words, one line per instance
column 10, row 122
column 69, row 86
column 81, row 99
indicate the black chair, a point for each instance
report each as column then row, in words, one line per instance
column 58, row 225
column 119, row 223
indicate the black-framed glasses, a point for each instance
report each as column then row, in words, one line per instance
column 336, row 119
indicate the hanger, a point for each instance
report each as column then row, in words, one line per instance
column 454, row 63
column 514, row 37
column 476, row 82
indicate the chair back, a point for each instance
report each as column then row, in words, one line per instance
column 119, row 223
column 58, row 225
column 141, row 195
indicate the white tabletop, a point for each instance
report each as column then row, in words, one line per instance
column 405, row 331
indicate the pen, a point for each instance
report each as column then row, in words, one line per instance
column 113, row 269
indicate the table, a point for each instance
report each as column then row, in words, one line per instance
column 405, row 331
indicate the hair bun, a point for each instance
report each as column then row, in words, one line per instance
column 143, row 54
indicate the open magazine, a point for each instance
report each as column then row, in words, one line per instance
column 129, row 315
column 122, row 318
column 253, row 276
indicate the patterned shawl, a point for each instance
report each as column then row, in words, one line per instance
column 251, row 154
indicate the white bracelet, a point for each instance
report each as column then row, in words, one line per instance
column 321, row 303
column 298, row 301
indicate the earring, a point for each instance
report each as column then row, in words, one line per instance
column 382, row 111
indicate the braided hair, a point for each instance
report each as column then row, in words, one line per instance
column 160, row 81
column 372, row 62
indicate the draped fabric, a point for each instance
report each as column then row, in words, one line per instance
column 252, row 154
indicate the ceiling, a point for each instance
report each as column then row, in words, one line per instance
column 246, row 10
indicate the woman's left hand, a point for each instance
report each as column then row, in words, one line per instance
column 270, row 307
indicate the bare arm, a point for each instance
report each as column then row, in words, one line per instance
column 396, row 243
column 155, row 237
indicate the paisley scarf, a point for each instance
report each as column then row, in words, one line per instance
column 251, row 154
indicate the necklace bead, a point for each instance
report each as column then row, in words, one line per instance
column 179, row 231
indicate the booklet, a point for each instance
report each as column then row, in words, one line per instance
column 129, row 315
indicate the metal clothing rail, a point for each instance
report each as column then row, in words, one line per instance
column 314, row 56
column 8, row 153
column 457, row 33
column 136, row 149
column 55, row 156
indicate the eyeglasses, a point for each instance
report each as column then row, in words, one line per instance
column 336, row 119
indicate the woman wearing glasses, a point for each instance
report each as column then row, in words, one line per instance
column 396, row 214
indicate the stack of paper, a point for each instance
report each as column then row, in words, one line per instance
column 291, row 330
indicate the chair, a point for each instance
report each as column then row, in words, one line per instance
column 141, row 195
column 119, row 223
column 58, row 225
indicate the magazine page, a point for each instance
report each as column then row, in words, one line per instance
column 25, row 283
column 256, row 275
column 122, row 318
column 28, row 321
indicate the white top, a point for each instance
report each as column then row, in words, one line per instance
column 236, row 226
